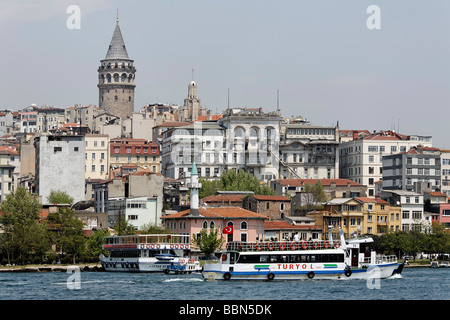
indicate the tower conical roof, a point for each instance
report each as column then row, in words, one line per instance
column 117, row 48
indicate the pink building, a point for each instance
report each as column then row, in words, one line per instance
column 248, row 226
column 444, row 217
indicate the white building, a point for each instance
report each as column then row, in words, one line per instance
column 445, row 172
column 138, row 211
column 308, row 152
column 60, row 162
column 412, row 207
column 361, row 158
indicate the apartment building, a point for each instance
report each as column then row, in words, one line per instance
column 97, row 156
column 307, row 151
column 140, row 152
column 410, row 169
column 361, row 158
column 445, row 172
column 412, row 208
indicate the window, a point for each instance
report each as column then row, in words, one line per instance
column 93, row 168
column 244, row 225
column 417, row 215
column 373, row 148
column 56, row 149
column 102, row 168
column 405, row 214
column 75, row 149
column 205, row 225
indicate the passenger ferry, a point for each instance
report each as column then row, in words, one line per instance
column 148, row 253
column 328, row 259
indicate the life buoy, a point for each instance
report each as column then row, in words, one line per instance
column 227, row 276
column 315, row 244
column 337, row 244
column 224, row 257
column 270, row 276
column 304, row 245
column 348, row 272
column 270, row 246
column 311, row 274
column 326, row 244
column 259, row 246
column 293, row 246
column 282, row 246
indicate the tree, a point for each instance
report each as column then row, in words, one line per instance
column 67, row 232
column 234, row 181
column 208, row 243
column 123, row 227
column 60, row 197
column 95, row 243
column 153, row 229
column 22, row 234
column 311, row 197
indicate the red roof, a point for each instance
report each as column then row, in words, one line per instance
column 363, row 199
column 324, row 182
column 436, row 194
column 222, row 212
column 224, row 198
column 271, row 198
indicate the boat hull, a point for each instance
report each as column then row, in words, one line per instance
column 316, row 272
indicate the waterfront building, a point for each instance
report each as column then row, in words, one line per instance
column 116, row 78
column 412, row 208
column 308, row 151
column 361, row 158
column 282, row 230
column 409, row 170
column 60, row 162
column 247, row 226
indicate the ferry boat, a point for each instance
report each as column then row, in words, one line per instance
column 148, row 253
column 281, row 260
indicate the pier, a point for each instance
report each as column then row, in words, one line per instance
column 52, row 268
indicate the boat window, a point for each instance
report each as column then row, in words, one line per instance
column 264, row 259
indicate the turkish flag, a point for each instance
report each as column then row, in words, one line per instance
column 228, row 230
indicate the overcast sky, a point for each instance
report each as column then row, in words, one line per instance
column 320, row 55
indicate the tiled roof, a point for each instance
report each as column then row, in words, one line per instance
column 364, row 199
column 270, row 198
column 436, row 194
column 224, row 198
column 222, row 212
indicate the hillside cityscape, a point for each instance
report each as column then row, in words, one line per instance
column 267, row 175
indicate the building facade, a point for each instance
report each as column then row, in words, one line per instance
column 60, row 161
column 140, row 152
column 361, row 158
column 308, row 152
column 410, row 169
column 97, row 156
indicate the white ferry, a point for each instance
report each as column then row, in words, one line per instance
column 148, row 253
column 328, row 259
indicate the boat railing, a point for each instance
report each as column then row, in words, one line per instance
column 148, row 241
column 386, row 259
column 283, row 245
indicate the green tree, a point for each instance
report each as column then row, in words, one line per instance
column 312, row 197
column 234, row 181
column 154, row 229
column 67, row 232
column 61, row 197
column 208, row 243
column 123, row 227
column 22, row 234
column 95, row 243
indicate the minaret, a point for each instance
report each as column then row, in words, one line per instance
column 194, row 187
column 116, row 76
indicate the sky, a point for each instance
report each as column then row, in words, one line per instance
column 321, row 57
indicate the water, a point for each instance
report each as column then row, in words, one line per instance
column 413, row 284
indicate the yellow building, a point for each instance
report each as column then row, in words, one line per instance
column 364, row 215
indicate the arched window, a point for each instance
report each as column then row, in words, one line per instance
column 229, row 236
column 205, row 225
column 244, row 225
column 211, row 225
column 124, row 76
column 108, row 78
column 116, row 77
column 116, row 98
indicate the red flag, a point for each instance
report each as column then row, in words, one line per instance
column 228, row 230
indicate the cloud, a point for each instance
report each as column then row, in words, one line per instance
column 26, row 11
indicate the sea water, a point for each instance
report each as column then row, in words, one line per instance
column 413, row 284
